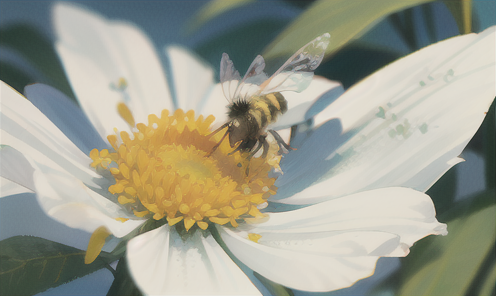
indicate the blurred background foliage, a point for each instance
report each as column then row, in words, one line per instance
column 366, row 35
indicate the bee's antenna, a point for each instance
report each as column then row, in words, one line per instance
column 222, row 139
column 219, row 129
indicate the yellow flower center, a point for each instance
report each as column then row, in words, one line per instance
column 166, row 170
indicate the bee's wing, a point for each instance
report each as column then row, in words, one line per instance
column 254, row 76
column 294, row 75
column 297, row 72
column 229, row 77
column 233, row 86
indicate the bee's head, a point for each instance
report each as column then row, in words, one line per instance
column 237, row 131
column 238, row 108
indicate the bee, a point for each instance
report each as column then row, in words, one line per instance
column 255, row 100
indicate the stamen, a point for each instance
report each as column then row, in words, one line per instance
column 95, row 245
column 126, row 114
column 167, row 169
column 254, row 237
column 122, row 83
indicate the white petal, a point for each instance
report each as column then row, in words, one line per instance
column 22, row 215
column 458, row 65
column 162, row 262
column 193, row 78
column 352, row 243
column 26, row 129
column 405, row 212
column 15, row 168
column 216, row 105
column 8, row 188
column 403, row 126
column 96, row 53
column 285, row 134
column 299, row 270
column 69, row 201
column 96, row 97
column 66, row 115
column 429, row 175
column 333, row 244
column 61, row 195
column 303, row 106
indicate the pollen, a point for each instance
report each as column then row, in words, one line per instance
column 165, row 170
column 254, row 237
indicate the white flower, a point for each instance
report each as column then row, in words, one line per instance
column 402, row 127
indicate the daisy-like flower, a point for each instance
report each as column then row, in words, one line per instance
column 138, row 158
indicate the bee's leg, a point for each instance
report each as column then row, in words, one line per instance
column 260, row 143
column 245, row 145
column 280, row 141
column 247, row 172
column 222, row 139
column 263, row 140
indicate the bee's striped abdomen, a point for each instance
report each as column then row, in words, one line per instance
column 277, row 101
column 267, row 108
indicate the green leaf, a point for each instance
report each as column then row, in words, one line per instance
column 30, row 265
column 484, row 274
column 37, row 50
column 489, row 141
column 211, row 10
column 343, row 19
column 488, row 287
column 123, row 283
column 448, row 265
column 462, row 12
